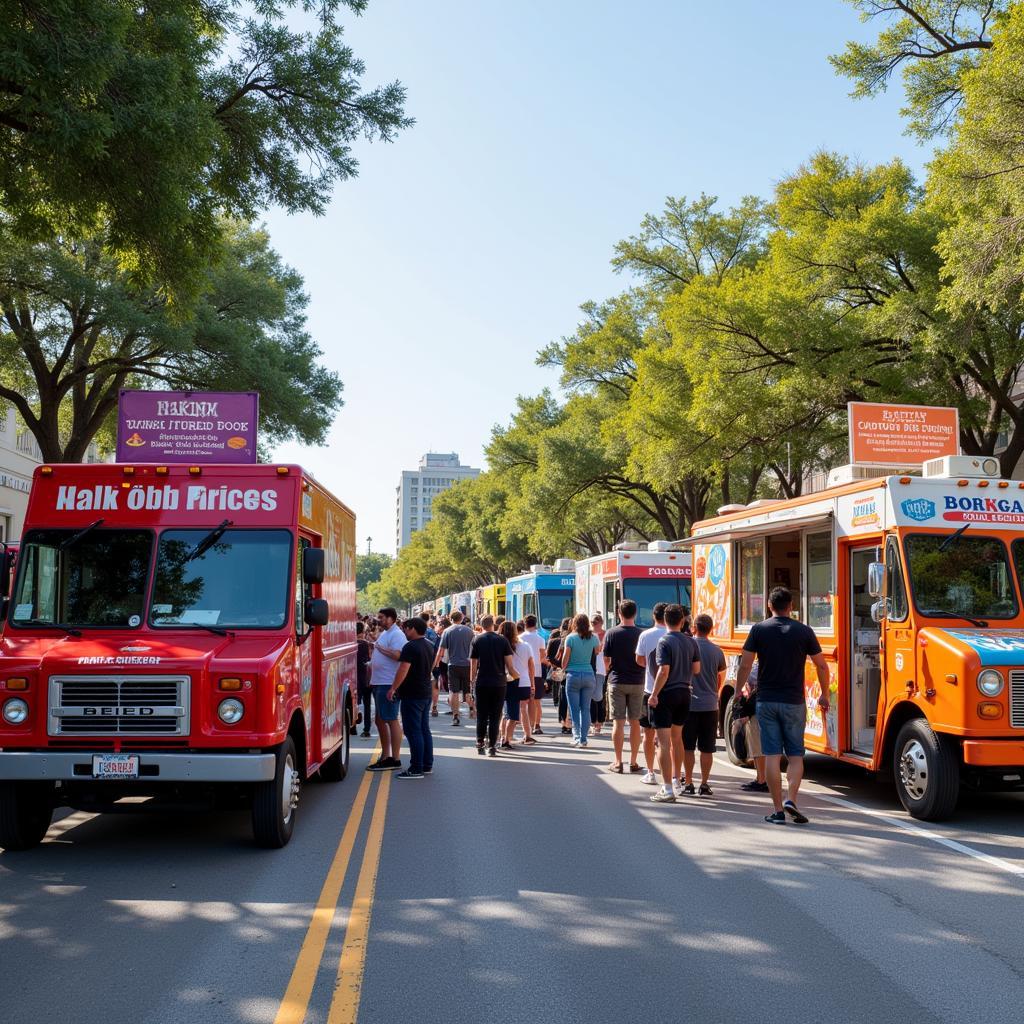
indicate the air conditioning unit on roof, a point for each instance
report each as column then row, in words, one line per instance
column 630, row 545
column 850, row 473
column 540, row 568
column 564, row 565
column 976, row 467
column 660, row 545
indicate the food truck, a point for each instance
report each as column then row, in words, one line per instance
column 913, row 585
column 547, row 591
column 490, row 600
column 644, row 572
column 181, row 633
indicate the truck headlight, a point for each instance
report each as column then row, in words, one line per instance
column 990, row 682
column 230, row 711
column 15, row 711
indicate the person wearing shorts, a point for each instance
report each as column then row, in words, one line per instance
column 701, row 729
column 530, row 636
column 678, row 662
column 625, row 685
column 646, row 648
column 387, row 652
column 455, row 645
column 782, row 646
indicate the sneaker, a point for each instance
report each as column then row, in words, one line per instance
column 365, row 735
column 409, row 774
column 504, row 746
column 538, row 731
column 705, row 790
column 455, row 720
column 688, row 790
column 583, row 743
column 380, row 765
column 428, row 771
column 389, row 764
column 566, row 731
column 662, row 797
column 575, row 743
column 793, row 811
column 678, row 789
column 776, row 818
column 649, row 779
column 480, row 749
column 491, row 752
column 755, row 787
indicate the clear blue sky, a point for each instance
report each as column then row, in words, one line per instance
column 545, row 131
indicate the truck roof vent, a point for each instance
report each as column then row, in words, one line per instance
column 540, row 568
column 565, row 565
column 765, row 502
column 631, row 545
column 978, row 467
column 850, row 473
column 724, row 510
column 660, row 545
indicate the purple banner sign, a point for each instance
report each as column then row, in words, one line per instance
column 187, row 426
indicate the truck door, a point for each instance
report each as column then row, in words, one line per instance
column 899, row 652
column 864, row 665
column 308, row 659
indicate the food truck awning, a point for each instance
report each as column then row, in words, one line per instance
column 766, row 527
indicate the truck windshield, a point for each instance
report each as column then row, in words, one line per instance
column 241, row 581
column 647, row 593
column 971, row 577
column 554, row 606
column 99, row 580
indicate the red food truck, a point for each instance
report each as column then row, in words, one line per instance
column 183, row 633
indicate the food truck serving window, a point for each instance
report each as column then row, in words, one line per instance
column 956, row 576
column 750, row 604
column 819, row 581
column 240, row 581
column 89, row 577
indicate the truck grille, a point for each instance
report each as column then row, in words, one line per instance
column 119, row 706
column 1017, row 699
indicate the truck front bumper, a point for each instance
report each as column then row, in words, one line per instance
column 70, row 766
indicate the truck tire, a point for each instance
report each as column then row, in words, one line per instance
column 727, row 730
column 274, row 802
column 335, row 768
column 926, row 768
column 26, row 810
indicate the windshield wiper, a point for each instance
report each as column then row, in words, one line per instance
column 70, row 630
column 219, row 630
column 956, row 535
column 942, row 613
column 208, row 541
column 76, row 537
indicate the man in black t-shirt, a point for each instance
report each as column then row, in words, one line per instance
column 490, row 658
column 782, row 646
column 412, row 686
column 625, row 684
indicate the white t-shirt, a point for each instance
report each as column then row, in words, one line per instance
column 536, row 642
column 384, row 668
column 521, row 655
column 646, row 647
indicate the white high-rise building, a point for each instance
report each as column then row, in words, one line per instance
column 418, row 488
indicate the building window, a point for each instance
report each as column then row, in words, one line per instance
column 819, row 581
column 750, row 606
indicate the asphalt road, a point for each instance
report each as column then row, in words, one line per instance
column 532, row 887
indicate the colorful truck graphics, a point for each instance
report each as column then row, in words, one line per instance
column 914, row 589
column 176, row 632
column 547, row 594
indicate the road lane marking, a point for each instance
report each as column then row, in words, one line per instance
column 345, row 1003
column 300, row 986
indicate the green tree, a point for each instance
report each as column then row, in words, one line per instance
column 933, row 43
column 370, row 567
column 144, row 124
column 75, row 328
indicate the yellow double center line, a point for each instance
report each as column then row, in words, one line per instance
column 345, row 1003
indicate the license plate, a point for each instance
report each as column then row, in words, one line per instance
column 115, row 766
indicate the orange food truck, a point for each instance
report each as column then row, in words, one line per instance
column 182, row 633
column 915, row 588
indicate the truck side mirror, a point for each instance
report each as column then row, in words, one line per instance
column 880, row 610
column 317, row 612
column 876, row 579
column 313, row 565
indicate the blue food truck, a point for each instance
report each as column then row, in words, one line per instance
column 547, row 591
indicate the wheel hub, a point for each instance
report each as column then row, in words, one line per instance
column 290, row 785
column 913, row 766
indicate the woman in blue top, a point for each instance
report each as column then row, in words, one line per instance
column 580, row 682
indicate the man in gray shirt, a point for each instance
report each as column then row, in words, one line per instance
column 701, row 727
column 456, row 641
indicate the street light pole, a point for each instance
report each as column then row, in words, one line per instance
column 368, row 541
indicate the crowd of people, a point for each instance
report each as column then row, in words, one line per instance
column 663, row 683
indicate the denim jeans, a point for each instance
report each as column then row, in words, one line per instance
column 579, row 688
column 416, row 726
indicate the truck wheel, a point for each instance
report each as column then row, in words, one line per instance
column 335, row 768
column 926, row 768
column 727, row 729
column 274, row 802
column 26, row 810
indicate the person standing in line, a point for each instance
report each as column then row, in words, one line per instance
column 363, row 692
column 454, row 645
column 433, row 638
column 383, row 667
column 490, row 661
column 599, row 702
column 646, row 649
column 625, row 684
column 540, row 660
column 782, row 646
column 560, row 698
column 745, row 715
column 414, row 681
column 678, row 662
column 701, row 729
column 577, row 660
column 518, row 690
